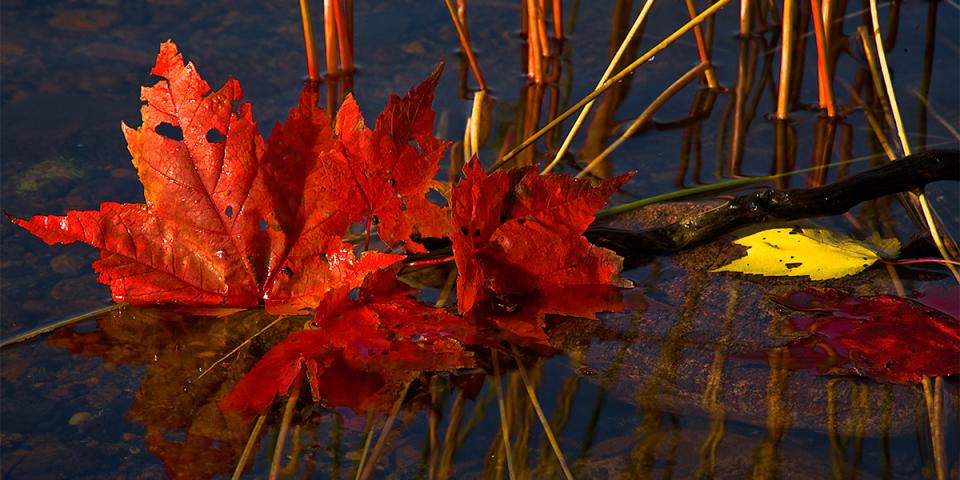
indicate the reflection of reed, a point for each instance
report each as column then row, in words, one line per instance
column 651, row 431
column 712, row 399
column 766, row 455
column 840, row 446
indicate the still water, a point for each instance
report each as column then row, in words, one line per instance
column 687, row 383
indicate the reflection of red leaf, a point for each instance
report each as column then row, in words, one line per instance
column 361, row 351
column 884, row 337
column 522, row 319
column 517, row 232
column 229, row 222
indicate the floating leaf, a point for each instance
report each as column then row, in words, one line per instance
column 886, row 338
column 818, row 253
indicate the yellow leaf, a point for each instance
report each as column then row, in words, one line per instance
column 817, row 253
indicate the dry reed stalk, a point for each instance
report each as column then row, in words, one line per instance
column 786, row 59
column 450, row 435
column 875, row 77
column 928, row 213
column 504, row 423
column 330, row 37
column 933, row 397
column 248, row 448
column 746, row 68
column 367, row 469
column 611, row 81
column 542, row 29
column 465, row 43
column 534, row 51
column 543, row 418
column 631, row 35
column 309, row 41
column 823, row 61
column 746, row 17
column 709, row 75
column 284, row 426
column 646, row 115
column 433, row 427
column 558, row 19
column 344, row 38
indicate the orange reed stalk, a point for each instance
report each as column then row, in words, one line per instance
column 709, row 76
column 823, row 61
column 330, row 36
column 465, row 44
column 534, row 52
column 746, row 17
column 786, row 58
column 308, row 39
column 344, row 39
column 558, row 19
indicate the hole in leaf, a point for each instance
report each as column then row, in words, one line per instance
column 286, row 271
column 229, row 211
column 792, row 265
column 169, row 131
column 214, row 136
column 263, row 225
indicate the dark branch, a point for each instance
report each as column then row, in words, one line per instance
column 910, row 173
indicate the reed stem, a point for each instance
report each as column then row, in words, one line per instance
column 709, row 76
column 309, row 41
column 627, row 40
column 786, row 58
column 647, row 114
column 284, row 426
column 465, row 45
column 611, row 82
column 330, row 36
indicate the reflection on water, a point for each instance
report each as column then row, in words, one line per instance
column 673, row 387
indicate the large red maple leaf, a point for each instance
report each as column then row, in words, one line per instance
column 233, row 222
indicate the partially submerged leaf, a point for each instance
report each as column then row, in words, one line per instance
column 817, row 253
column 886, row 338
column 518, row 232
column 360, row 352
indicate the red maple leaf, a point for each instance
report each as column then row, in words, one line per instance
column 360, row 352
column 233, row 222
column 387, row 155
column 519, row 233
column 886, row 338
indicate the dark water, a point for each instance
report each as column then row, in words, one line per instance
column 673, row 388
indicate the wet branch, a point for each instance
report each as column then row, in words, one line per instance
column 911, row 172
